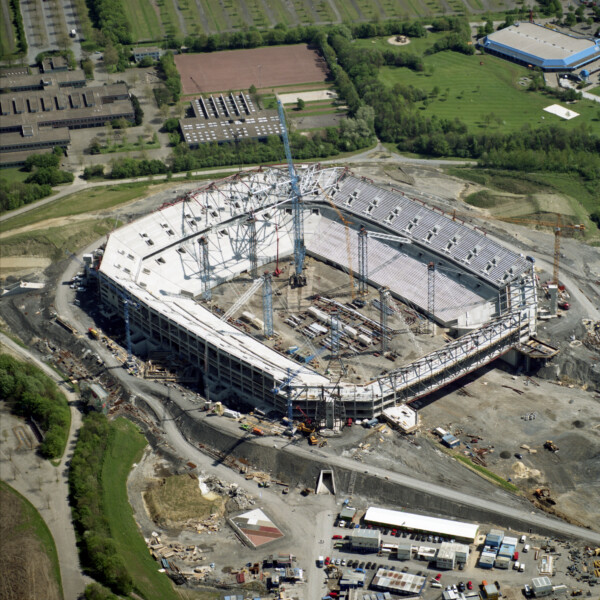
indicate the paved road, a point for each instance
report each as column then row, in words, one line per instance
column 52, row 499
column 365, row 157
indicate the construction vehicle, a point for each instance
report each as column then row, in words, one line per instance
column 323, row 444
column 93, row 333
column 312, row 440
column 257, row 431
column 550, row 445
column 543, row 494
column 306, row 429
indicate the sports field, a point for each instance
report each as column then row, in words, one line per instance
column 484, row 92
column 144, row 20
column 240, row 69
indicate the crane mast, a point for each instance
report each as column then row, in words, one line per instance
column 297, row 279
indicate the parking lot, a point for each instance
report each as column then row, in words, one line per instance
column 513, row 583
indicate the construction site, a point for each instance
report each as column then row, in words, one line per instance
column 185, row 275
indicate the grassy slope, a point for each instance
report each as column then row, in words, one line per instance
column 471, row 91
column 125, row 447
column 14, row 175
column 32, row 520
column 93, row 199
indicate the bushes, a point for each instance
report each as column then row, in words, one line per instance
column 33, row 394
column 16, row 194
column 170, row 76
column 50, row 176
column 137, row 110
column 98, row 551
column 93, row 171
column 109, row 16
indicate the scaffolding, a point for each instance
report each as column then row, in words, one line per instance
column 384, row 297
column 268, row 305
column 207, row 293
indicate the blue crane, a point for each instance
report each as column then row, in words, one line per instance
column 297, row 279
column 126, row 299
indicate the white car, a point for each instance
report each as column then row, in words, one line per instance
column 338, row 562
column 343, row 562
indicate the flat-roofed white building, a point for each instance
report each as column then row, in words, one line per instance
column 365, row 540
column 541, row 586
column 450, row 555
column 409, row 521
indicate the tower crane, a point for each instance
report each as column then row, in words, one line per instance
column 125, row 299
column 297, row 279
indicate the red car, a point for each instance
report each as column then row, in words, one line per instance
column 469, row 585
column 564, row 305
column 438, row 576
column 393, row 532
column 516, row 556
column 337, row 537
column 327, row 560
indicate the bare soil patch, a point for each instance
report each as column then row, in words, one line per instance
column 399, row 40
column 239, row 69
column 175, row 501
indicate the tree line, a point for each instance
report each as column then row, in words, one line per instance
column 33, row 394
column 398, row 120
column 17, row 20
column 109, row 16
column 97, row 549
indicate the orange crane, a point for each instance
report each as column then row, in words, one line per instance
column 348, row 245
column 558, row 226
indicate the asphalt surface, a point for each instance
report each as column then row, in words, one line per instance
column 51, row 498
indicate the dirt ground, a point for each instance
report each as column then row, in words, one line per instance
column 261, row 67
column 25, row 569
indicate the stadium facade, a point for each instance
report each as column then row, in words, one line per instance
column 535, row 45
column 484, row 291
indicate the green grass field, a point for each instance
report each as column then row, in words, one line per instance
column 125, row 447
column 14, row 175
column 31, row 522
column 595, row 91
column 486, row 97
column 88, row 201
column 143, row 19
column 232, row 15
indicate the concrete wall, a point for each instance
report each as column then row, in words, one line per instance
column 285, row 466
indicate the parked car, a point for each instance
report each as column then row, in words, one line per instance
column 327, row 560
column 469, row 585
column 438, row 577
column 337, row 537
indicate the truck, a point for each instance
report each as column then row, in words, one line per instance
column 370, row 424
column 320, row 562
column 312, row 440
column 93, row 333
column 257, row 431
column 73, row 33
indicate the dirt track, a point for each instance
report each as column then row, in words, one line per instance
column 262, row 67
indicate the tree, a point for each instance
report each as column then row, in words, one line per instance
column 95, row 146
column 111, row 57
column 300, row 104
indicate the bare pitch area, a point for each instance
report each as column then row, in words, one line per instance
column 239, row 69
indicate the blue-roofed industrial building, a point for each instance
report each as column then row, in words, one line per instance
column 506, row 550
column 494, row 538
column 536, row 45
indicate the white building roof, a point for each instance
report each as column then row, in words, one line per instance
column 397, row 518
column 540, row 41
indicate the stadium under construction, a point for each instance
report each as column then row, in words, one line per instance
column 188, row 273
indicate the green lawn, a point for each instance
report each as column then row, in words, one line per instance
column 486, row 97
column 125, row 447
column 31, row 522
column 143, row 19
column 94, row 199
column 595, row 91
column 14, row 175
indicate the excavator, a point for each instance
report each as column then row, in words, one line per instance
column 550, row 445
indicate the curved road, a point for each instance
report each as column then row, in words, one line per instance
column 175, row 438
column 57, row 512
column 363, row 157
